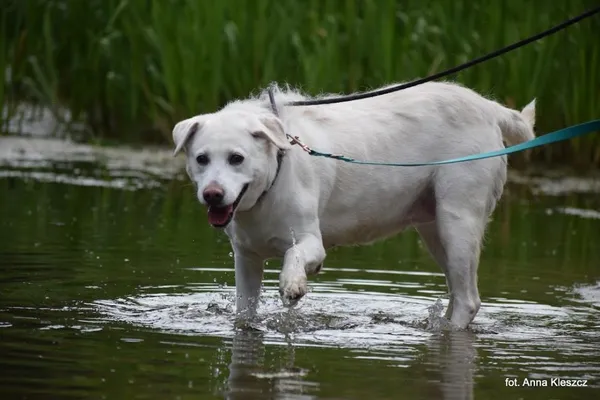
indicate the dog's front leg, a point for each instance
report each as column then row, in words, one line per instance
column 249, row 269
column 304, row 257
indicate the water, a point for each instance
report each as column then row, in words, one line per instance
column 112, row 285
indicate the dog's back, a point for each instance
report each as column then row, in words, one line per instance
column 431, row 122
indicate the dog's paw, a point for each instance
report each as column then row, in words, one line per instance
column 292, row 288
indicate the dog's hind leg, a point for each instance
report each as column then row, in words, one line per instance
column 465, row 197
column 249, row 269
column 461, row 234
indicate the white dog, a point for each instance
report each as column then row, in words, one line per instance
column 275, row 200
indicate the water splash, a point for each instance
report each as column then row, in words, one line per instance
column 293, row 235
column 436, row 322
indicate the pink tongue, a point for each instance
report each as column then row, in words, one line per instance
column 219, row 215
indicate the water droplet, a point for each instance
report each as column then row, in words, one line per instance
column 293, row 237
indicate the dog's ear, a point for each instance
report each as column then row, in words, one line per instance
column 184, row 131
column 273, row 131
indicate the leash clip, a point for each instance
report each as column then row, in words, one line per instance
column 293, row 139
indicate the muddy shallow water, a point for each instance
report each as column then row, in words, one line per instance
column 112, row 285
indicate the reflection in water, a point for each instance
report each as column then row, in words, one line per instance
column 250, row 376
column 456, row 356
column 451, row 351
column 449, row 354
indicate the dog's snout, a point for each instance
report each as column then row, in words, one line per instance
column 213, row 195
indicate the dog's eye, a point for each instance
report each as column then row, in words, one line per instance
column 202, row 159
column 236, row 159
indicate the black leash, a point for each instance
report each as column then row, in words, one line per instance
column 447, row 72
column 564, row 134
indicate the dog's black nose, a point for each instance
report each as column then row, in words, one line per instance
column 213, row 195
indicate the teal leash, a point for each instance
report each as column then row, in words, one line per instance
column 553, row 137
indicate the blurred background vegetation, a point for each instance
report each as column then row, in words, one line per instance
column 130, row 69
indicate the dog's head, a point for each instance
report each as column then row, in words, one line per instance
column 231, row 157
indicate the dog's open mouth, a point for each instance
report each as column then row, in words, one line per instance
column 219, row 217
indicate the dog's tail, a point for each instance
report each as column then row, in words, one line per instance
column 517, row 127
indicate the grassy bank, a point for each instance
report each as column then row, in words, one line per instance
column 131, row 69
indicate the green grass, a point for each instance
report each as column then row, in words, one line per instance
column 133, row 68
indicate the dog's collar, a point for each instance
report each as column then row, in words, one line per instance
column 280, row 154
